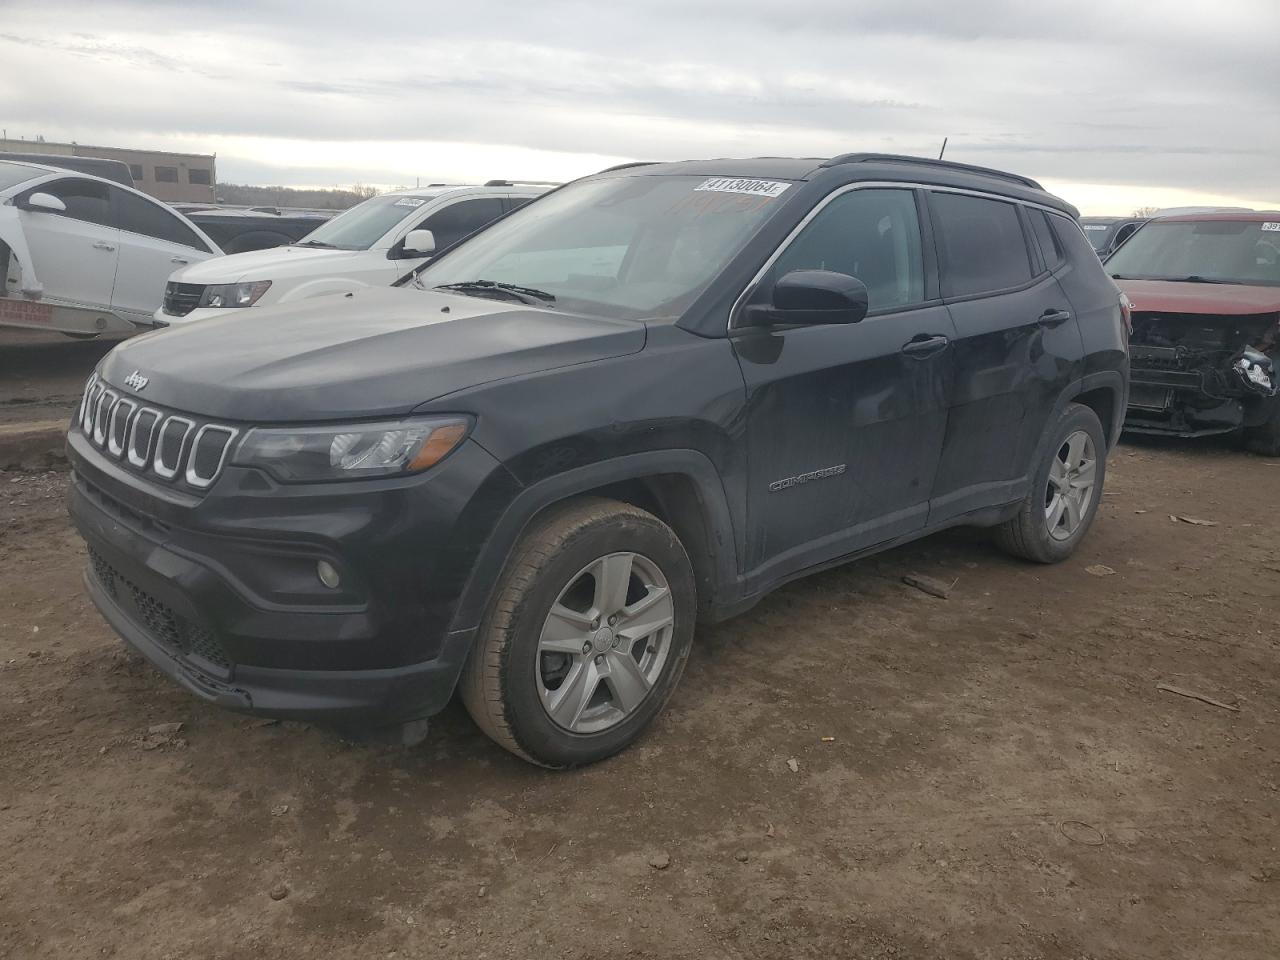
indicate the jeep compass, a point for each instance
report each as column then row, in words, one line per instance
column 644, row 400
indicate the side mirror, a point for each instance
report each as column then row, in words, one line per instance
column 812, row 296
column 45, row 201
column 420, row 242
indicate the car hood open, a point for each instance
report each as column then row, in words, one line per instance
column 378, row 352
column 1219, row 299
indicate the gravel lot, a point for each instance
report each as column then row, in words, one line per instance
column 995, row 775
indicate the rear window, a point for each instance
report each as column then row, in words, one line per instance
column 980, row 243
column 1097, row 234
column 138, row 215
column 1212, row 251
column 1050, row 249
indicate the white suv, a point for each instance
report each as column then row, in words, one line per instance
column 375, row 243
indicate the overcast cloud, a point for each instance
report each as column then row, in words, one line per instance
column 1116, row 105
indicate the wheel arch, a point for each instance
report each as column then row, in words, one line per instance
column 680, row 487
column 1106, row 394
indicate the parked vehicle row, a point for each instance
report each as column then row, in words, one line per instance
column 646, row 399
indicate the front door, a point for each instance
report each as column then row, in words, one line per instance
column 845, row 422
column 74, row 252
column 154, row 242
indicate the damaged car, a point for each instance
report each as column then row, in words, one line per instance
column 1205, row 343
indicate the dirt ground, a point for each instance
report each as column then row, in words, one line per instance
column 1004, row 779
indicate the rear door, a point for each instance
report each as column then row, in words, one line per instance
column 74, row 253
column 154, row 242
column 1016, row 350
column 845, row 421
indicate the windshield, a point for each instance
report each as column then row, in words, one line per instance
column 12, row 174
column 1098, row 233
column 364, row 224
column 622, row 247
column 1225, row 251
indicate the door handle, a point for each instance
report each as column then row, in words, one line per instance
column 179, row 260
column 99, row 245
column 1051, row 318
column 925, row 345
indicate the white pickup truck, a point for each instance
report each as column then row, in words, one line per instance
column 373, row 244
column 83, row 255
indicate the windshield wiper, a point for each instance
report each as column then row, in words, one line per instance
column 1197, row 279
column 527, row 295
column 315, row 243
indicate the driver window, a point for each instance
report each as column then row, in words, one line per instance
column 871, row 234
column 85, row 199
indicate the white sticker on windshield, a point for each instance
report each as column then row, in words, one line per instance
column 409, row 202
column 757, row 188
column 1094, row 226
column 1271, row 226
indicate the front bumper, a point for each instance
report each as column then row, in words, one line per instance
column 211, row 591
column 1169, row 401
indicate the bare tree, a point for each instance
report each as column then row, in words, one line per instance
column 364, row 191
column 1145, row 212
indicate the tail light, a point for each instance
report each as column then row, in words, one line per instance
column 1126, row 314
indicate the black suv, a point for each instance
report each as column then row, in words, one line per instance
column 647, row 398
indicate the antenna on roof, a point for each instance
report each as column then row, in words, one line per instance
column 944, row 148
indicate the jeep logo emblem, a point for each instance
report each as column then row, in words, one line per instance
column 136, row 381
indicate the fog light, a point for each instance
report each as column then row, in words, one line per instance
column 328, row 574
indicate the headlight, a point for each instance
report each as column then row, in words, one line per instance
column 351, row 451
column 234, row 294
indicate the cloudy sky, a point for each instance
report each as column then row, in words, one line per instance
column 1113, row 104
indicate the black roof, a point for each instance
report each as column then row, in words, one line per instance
column 852, row 167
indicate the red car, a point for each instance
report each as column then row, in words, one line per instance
column 1204, row 349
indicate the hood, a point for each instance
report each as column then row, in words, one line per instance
column 378, row 352
column 277, row 263
column 1221, row 299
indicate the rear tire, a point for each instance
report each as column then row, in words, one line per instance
column 1066, row 488
column 587, row 634
column 1264, row 438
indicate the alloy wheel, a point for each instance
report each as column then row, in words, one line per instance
column 604, row 643
column 1069, row 492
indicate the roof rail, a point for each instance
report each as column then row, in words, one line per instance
column 526, row 183
column 929, row 162
column 627, row 166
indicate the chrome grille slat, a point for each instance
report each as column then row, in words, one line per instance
column 169, row 447
column 113, row 448
column 158, row 465
column 100, row 414
column 140, row 460
column 193, row 475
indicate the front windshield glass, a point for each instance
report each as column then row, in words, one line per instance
column 12, row 174
column 1098, row 233
column 1225, row 251
column 622, row 247
column 364, row 224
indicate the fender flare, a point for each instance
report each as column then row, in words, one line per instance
column 532, row 500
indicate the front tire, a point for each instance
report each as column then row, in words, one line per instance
column 586, row 637
column 1066, row 489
